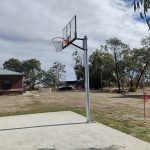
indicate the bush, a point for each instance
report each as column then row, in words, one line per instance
column 132, row 89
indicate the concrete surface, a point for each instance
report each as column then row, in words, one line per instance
column 62, row 131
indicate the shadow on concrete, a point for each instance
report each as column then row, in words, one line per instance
column 46, row 149
column 113, row 147
column 42, row 126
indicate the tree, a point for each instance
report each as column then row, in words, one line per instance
column 13, row 64
column 108, row 69
column 143, row 57
column 142, row 6
column 96, row 67
column 48, row 79
column 32, row 71
column 101, row 69
column 136, row 64
column 59, row 70
column 79, row 67
column 118, row 48
column 131, row 65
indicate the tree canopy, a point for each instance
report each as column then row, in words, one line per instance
column 116, row 64
column 142, row 6
column 58, row 70
column 13, row 64
column 101, row 69
column 118, row 49
column 33, row 74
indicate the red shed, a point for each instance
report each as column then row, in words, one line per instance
column 11, row 82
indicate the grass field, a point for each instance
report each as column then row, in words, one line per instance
column 122, row 112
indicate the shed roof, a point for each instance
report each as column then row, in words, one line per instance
column 8, row 72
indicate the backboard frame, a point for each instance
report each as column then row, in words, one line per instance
column 69, row 32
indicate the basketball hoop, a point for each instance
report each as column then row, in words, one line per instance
column 58, row 43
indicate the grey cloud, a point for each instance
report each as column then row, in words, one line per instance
column 27, row 27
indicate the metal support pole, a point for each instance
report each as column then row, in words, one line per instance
column 87, row 90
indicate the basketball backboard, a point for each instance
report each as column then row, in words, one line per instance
column 69, row 32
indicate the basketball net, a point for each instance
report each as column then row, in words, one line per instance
column 58, row 43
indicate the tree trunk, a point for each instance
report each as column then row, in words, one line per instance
column 131, row 83
column 142, row 72
column 101, row 78
column 131, row 88
column 109, row 82
column 117, row 74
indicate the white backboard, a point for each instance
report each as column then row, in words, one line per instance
column 69, row 32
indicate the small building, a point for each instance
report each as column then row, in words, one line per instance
column 77, row 84
column 11, row 82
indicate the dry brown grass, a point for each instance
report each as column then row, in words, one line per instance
column 123, row 112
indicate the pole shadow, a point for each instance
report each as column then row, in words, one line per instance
column 112, row 147
column 42, row 126
column 46, row 149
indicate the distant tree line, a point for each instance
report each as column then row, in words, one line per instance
column 116, row 64
column 34, row 75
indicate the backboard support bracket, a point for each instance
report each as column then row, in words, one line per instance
column 77, row 46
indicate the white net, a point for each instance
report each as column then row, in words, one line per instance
column 58, row 43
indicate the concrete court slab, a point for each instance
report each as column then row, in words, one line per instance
column 62, row 131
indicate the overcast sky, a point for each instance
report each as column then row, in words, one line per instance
column 27, row 27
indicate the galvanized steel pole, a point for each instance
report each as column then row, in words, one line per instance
column 87, row 89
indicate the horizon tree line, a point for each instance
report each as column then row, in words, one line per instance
column 114, row 64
